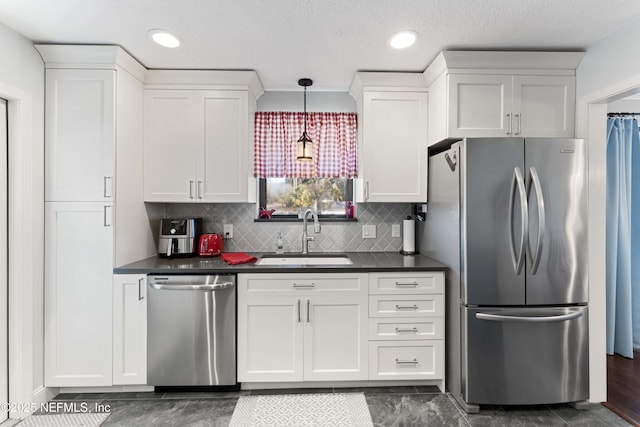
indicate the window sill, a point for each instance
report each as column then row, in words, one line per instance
column 321, row 219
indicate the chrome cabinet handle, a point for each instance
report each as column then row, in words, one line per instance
column 140, row 297
column 510, row 124
column 308, row 311
column 414, row 330
column 191, row 189
column 106, row 220
column 107, row 189
column 199, row 190
column 366, row 190
column 406, row 307
column 303, row 286
column 519, row 117
column 407, row 362
column 412, row 284
column 527, row 319
column 299, row 317
column 535, row 260
column 518, row 181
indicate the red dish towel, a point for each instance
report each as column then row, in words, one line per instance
column 238, row 258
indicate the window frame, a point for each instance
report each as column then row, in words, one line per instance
column 262, row 202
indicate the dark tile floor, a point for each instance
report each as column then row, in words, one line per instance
column 389, row 406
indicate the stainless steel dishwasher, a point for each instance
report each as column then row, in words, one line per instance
column 191, row 330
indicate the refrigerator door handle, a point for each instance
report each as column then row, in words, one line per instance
column 535, row 259
column 525, row 319
column 518, row 181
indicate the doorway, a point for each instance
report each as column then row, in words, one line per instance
column 4, row 275
column 623, row 373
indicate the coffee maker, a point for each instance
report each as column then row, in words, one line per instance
column 179, row 237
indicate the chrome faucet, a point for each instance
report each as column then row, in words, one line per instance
column 316, row 229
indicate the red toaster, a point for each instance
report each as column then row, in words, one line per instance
column 211, row 245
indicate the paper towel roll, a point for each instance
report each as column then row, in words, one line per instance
column 408, row 236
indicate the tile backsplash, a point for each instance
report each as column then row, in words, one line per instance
column 250, row 236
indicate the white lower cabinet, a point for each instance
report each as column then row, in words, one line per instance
column 406, row 326
column 397, row 360
column 78, row 291
column 302, row 327
column 129, row 329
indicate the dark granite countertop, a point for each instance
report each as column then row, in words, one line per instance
column 362, row 262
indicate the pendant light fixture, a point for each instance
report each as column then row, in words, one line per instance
column 305, row 145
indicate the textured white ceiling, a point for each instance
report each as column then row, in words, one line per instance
column 326, row 40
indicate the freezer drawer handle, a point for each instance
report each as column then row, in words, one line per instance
column 407, row 362
column 412, row 284
column 535, row 183
column 186, row 287
column 414, row 330
column 518, row 181
column 524, row 319
column 406, row 307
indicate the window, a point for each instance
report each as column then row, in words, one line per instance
column 329, row 197
column 325, row 183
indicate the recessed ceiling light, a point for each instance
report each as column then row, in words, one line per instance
column 403, row 39
column 164, row 38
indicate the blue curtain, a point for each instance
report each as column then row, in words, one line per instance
column 623, row 236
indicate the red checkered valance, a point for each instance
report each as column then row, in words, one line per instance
column 334, row 145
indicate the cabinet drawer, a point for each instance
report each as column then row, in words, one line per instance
column 426, row 328
column 406, row 360
column 406, row 306
column 406, row 283
column 293, row 284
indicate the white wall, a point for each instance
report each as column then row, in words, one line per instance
column 611, row 60
column 22, row 69
column 340, row 102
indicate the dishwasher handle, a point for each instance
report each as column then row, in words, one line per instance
column 189, row 287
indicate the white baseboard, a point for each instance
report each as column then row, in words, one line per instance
column 339, row 384
column 108, row 389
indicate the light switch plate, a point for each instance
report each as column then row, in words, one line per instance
column 228, row 231
column 395, row 230
column 369, row 231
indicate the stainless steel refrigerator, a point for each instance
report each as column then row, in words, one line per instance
column 509, row 217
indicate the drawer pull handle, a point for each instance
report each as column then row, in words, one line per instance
column 407, row 362
column 406, row 307
column 400, row 284
column 414, row 330
column 311, row 285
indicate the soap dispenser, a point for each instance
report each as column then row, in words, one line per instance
column 279, row 244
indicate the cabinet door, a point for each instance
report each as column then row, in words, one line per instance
column 78, row 294
column 223, row 170
column 129, row 329
column 172, row 145
column 394, row 148
column 80, row 135
column 270, row 331
column 544, row 106
column 335, row 338
column 479, row 105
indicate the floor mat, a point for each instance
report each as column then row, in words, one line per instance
column 302, row 410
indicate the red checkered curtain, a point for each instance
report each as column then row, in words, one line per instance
column 334, row 145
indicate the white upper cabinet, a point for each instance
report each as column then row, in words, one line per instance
column 502, row 94
column 198, row 141
column 171, row 146
column 225, row 165
column 392, row 134
column 546, row 105
column 80, row 117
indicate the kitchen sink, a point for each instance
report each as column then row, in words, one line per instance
column 306, row 259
